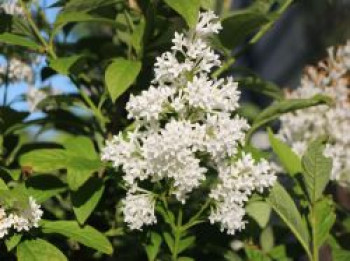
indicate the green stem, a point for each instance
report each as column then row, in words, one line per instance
column 36, row 30
column 195, row 219
column 177, row 236
column 315, row 250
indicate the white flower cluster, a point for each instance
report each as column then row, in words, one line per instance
column 12, row 7
column 35, row 96
column 330, row 77
column 20, row 220
column 16, row 71
column 185, row 123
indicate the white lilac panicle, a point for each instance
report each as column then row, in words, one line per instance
column 20, row 219
column 5, row 223
column 330, row 77
column 11, row 7
column 138, row 209
column 186, row 123
column 238, row 181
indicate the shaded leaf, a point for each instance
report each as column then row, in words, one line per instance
column 185, row 258
column 189, row 10
column 64, row 65
column 87, row 5
column 67, row 17
column 240, row 24
column 86, row 198
column 338, row 253
column 43, row 187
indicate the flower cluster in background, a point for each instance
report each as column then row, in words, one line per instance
column 186, row 124
column 11, row 7
column 16, row 70
column 330, row 77
column 20, row 219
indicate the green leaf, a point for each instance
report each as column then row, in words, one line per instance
column 14, row 24
column 3, row 185
column 120, row 75
column 44, row 160
column 79, row 158
column 322, row 218
column 153, row 248
column 17, row 197
column 43, row 187
column 82, row 146
column 185, row 258
column 87, row 5
column 260, row 211
column 240, row 24
column 13, row 39
column 254, row 254
column 267, row 239
column 289, row 160
column 279, row 253
column 317, row 170
column 83, row 160
column 189, row 10
column 13, row 241
column 275, row 110
column 12, row 173
column 257, row 84
column 67, row 17
column 10, row 118
column 86, row 235
column 137, row 36
column 208, row 4
column 338, row 254
column 169, row 241
column 284, row 206
column 38, row 250
column 186, row 243
column 65, row 65
column 232, row 256
column 86, row 198
column 79, row 170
